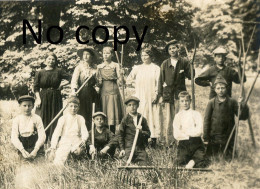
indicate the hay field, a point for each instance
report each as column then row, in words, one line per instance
column 241, row 173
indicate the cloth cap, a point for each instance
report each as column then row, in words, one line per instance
column 172, row 42
column 220, row 50
column 220, row 79
column 25, row 98
column 92, row 51
column 99, row 113
column 132, row 98
column 73, row 99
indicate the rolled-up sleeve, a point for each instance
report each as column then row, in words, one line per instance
column 203, row 79
column 75, row 78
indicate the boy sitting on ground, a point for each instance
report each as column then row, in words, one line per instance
column 104, row 140
column 127, row 130
column 188, row 128
column 219, row 119
column 72, row 132
column 28, row 133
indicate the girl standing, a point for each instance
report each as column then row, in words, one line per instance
column 88, row 94
column 108, row 76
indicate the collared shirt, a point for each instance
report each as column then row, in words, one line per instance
column 68, row 128
column 80, row 74
column 134, row 118
column 208, row 77
column 186, row 124
column 174, row 76
column 174, row 62
column 219, row 118
column 25, row 126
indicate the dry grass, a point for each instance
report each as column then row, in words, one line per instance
column 241, row 173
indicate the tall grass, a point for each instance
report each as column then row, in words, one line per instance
column 241, row 173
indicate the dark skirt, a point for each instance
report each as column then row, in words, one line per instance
column 87, row 96
column 51, row 104
column 112, row 104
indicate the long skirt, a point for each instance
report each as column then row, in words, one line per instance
column 51, row 104
column 112, row 104
column 87, row 96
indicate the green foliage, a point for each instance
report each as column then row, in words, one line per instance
column 218, row 24
column 166, row 20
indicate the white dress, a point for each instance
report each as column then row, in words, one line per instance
column 146, row 79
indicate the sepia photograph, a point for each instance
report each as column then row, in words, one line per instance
column 129, row 94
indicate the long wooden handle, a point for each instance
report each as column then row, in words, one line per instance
column 192, row 75
column 62, row 110
column 135, row 139
column 92, row 131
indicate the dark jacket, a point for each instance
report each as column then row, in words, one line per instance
column 210, row 75
column 127, row 130
column 219, row 119
column 174, row 78
column 106, row 138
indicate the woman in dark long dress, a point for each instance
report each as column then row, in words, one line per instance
column 47, row 90
column 108, row 75
column 88, row 93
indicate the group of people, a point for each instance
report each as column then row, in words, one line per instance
column 160, row 103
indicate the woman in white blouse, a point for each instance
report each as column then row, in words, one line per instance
column 145, row 78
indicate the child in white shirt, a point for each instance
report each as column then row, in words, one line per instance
column 72, row 131
column 188, row 129
column 28, row 133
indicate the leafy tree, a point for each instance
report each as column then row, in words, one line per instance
column 166, row 20
column 221, row 23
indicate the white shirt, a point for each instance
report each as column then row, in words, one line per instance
column 174, row 62
column 187, row 123
column 25, row 126
column 69, row 127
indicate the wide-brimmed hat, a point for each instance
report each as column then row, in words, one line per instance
column 99, row 113
column 132, row 98
column 172, row 42
column 26, row 98
column 220, row 50
column 92, row 51
column 220, row 79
